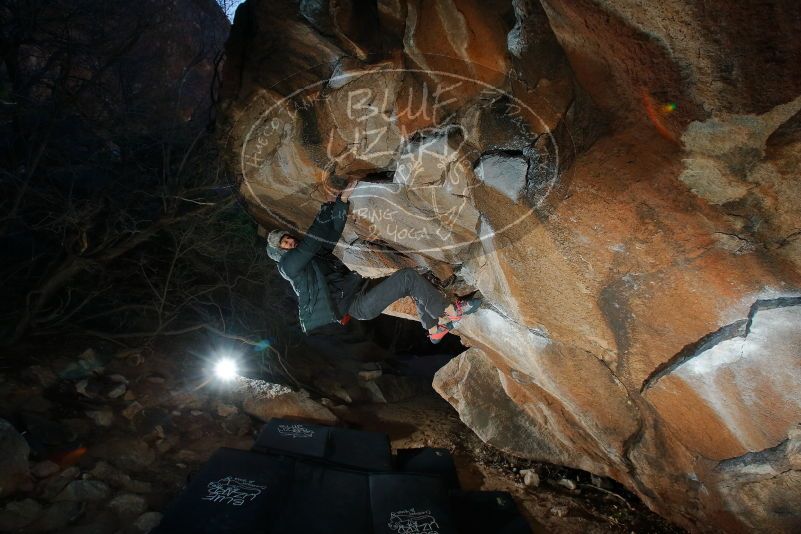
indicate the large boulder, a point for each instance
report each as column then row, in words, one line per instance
column 265, row 401
column 475, row 388
column 619, row 181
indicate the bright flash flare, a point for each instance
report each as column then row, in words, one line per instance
column 226, row 369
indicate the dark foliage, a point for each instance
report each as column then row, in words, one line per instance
column 115, row 219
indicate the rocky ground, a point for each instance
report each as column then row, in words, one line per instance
column 110, row 436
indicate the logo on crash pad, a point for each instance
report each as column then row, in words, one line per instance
column 233, row 491
column 295, row 431
column 413, row 522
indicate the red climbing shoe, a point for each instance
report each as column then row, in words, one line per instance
column 442, row 331
column 465, row 307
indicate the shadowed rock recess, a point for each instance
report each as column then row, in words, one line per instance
column 618, row 179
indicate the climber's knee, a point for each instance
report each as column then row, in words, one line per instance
column 407, row 272
column 406, row 277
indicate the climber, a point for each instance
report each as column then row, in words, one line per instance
column 329, row 292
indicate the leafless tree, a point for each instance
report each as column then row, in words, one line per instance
column 114, row 218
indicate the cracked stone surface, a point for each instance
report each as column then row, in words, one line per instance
column 730, row 388
column 625, row 330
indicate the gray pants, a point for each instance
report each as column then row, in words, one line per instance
column 381, row 292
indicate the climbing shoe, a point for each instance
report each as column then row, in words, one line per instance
column 442, row 331
column 465, row 307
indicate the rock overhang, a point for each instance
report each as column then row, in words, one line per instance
column 597, row 280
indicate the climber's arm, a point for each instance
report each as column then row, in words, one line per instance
column 339, row 217
column 317, row 236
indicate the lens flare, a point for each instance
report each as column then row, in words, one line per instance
column 656, row 113
column 226, row 369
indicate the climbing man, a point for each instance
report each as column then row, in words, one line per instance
column 329, row 292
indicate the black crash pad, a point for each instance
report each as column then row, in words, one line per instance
column 296, row 481
column 431, row 461
column 409, row 504
column 235, row 491
column 326, row 500
column 356, row 449
column 292, row 437
column 360, row 449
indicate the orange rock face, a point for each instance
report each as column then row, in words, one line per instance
column 619, row 182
